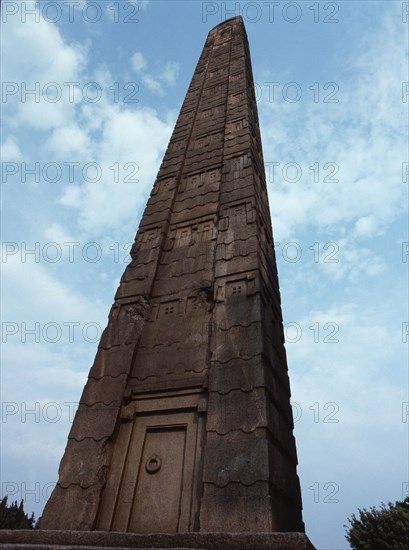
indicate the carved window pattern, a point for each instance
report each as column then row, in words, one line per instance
column 212, row 177
column 235, row 77
column 234, row 99
column 167, row 185
column 215, row 92
column 163, row 186
column 186, row 117
column 238, row 165
column 206, row 231
column 148, row 238
column 235, row 126
column 183, row 236
column 238, row 214
column 205, row 141
column 167, row 309
column 210, row 113
column 238, row 211
column 202, row 178
column 217, row 72
column 199, row 142
column 205, row 114
column 235, row 289
column 216, row 138
column 194, row 181
column 177, row 145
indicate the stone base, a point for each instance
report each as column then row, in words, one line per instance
column 81, row 540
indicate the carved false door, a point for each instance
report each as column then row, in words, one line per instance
column 153, row 479
column 159, row 488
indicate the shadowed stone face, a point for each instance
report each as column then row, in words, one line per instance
column 185, row 422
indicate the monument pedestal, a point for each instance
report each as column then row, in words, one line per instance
column 78, row 540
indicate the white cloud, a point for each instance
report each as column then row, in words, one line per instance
column 10, row 151
column 170, row 72
column 51, row 63
column 71, row 196
column 167, row 75
column 125, row 143
column 153, row 84
column 58, row 234
column 138, row 62
column 364, row 135
column 128, row 152
column 366, row 226
column 51, row 300
column 68, row 141
column 348, row 401
column 51, row 59
column 350, row 263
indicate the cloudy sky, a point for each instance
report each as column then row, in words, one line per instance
column 91, row 92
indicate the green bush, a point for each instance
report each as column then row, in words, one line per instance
column 383, row 529
column 14, row 517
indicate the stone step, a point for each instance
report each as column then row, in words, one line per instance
column 36, row 539
column 59, row 547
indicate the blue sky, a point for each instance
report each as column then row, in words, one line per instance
column 335, row 133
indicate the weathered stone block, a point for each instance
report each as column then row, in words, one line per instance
column 106, row 390
column 84, row 463
column 169, row 364
column 236, row 458
column 237, row 514
column 80, row 508
column 237, row 410
column 96, row 422
column 112, row 362
column 121, row 333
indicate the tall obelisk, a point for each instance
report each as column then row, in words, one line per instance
column 185, row 423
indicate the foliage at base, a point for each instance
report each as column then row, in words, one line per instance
column 14, row 517
column 386, row 528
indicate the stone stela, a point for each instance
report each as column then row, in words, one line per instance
column 185, row 423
